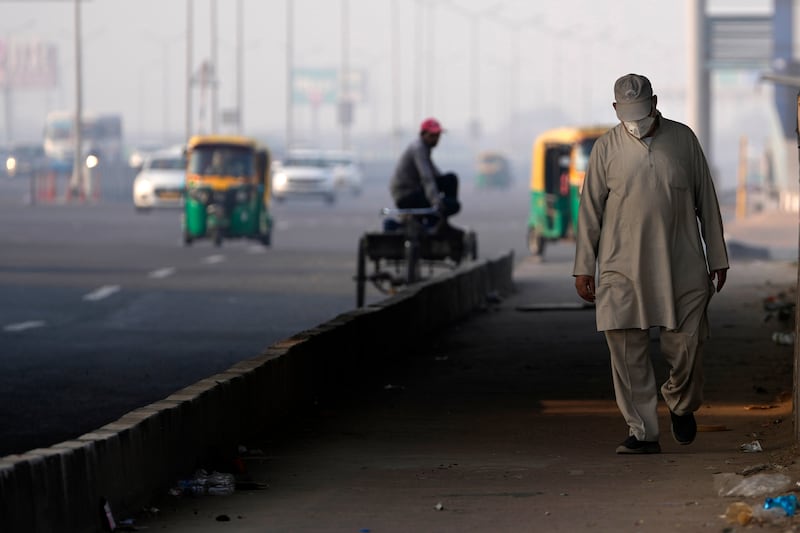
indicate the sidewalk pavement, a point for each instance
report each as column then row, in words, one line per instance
column 507, row 422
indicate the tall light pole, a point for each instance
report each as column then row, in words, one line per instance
column 345, row 103
column 395, row 85
column 239, row 65
column 289, row 74
column 214, row 69
column 189, row 69
column 77, row 183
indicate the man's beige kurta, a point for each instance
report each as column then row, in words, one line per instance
column 638, row 229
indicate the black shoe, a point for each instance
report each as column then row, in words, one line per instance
column 684, row 428
column 633, row 445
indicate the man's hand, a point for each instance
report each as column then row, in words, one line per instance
column 585, row 287
column 721, row 275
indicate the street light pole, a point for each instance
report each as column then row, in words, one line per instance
column 345, row 109
column 189, row 74
column 239, row 65
column 77, row 182
column 214, row 68
column 395, row 86
column 289, row 73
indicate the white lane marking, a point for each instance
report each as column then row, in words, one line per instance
column 161, row 273
column 212, row 259
column 102, row 292
column 22, row 326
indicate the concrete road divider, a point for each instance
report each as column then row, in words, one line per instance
column 126, row 463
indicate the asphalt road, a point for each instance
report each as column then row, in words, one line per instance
column 103, row 310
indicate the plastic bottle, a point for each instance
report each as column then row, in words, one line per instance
column 787, row 502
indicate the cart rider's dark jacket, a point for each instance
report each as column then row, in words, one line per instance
column 416, row 171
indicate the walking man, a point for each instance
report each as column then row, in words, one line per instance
column 650, row 229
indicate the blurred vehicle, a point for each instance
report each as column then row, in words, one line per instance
column 161, row 181
column 304, row 173
column 558, row 166
column 103, row 132
column 494, row 170
column 138, row 154
column 25, row 160
column 227, row 190
column 347, row 172
column 4, row 158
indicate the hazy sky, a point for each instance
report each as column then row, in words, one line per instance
column 569, row 54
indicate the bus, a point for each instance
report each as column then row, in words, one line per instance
column 101, row 134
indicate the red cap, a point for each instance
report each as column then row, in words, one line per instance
column 431, row 125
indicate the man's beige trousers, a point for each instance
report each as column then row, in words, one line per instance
column 635, row 381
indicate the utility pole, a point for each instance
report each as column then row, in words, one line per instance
column 345, row 103
column 289, row 74
column 77, row 183
column 796, row 377
column 395, row 85
column 239, row 65
column 189, row 73
column 214, row 68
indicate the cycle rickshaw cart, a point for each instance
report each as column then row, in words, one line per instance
column 409, row 249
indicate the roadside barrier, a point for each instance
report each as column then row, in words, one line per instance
column 126, row 463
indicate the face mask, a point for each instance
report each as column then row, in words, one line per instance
column 637, row 128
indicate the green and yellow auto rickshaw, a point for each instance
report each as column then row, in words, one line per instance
column 558, row 165
column 494, row 170
column 227, row 191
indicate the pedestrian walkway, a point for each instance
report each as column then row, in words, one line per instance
column 771, row 231
column 507, row 422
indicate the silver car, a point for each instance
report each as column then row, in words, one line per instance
column 161, row 182
column 347, row 172
column 304, row 173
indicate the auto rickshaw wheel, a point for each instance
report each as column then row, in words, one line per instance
column 187, row 238
column 535, row 242
column 216, row 235
column 266, row 238
column 361, row 271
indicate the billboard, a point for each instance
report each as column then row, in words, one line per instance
column 28, row 64
column 317, row 86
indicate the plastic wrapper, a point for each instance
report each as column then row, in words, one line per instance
column 729, row 484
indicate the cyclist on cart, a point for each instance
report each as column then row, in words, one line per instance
column 417, row 183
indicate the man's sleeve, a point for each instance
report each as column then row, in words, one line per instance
column 427, row 175
column 707, row 210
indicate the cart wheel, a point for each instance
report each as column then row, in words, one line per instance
column 361, row 271
column 472, row 248
column 535, row 242
column 216, row 235
column 412, row 260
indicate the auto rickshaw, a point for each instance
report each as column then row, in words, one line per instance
column 559, row 161
column 494, row 170
column 227, row 189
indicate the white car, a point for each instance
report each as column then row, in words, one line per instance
column 161, row 182
column 304, row 173
column 347, row 171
